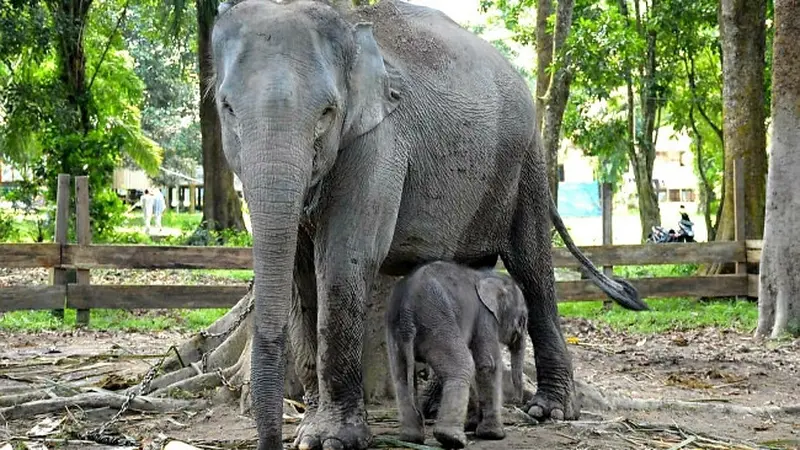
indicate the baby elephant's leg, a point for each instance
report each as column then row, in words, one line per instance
column 489, row 380
column 451, row 360
column 401, row 364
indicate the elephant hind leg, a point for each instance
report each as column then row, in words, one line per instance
column 401, row 364
column 528, row 259
column 450, row 359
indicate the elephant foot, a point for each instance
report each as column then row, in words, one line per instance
column 543, row 406
column 490, row 430
column 450, row 436
column 328, row 431
column 473, row 419
column 413, row 436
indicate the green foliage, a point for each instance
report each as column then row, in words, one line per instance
column 48, row 126
column 8, row 231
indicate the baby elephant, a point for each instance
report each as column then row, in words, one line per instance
column 454, row 318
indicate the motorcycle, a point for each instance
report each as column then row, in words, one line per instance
column 685, row 233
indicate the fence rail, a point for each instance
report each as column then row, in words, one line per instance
column 62, row 258
column 86, row 257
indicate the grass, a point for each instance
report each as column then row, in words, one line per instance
column 669, row 314
column 170, row 219
column 114, row 319
column 234, row 274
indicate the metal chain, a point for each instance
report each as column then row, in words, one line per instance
column 98, row 435
column 243, row 315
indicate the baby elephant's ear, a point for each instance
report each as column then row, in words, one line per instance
column 489, row 291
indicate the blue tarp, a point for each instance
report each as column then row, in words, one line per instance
column 579, row 199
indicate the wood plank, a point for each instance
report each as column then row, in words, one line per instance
column 157, row 257
column 755, row 244
column 711, row 286
column 739, row 212
column 152, row 296
column 84, row 235
column 754, row 256
column 673, row 253
column 29, row 256
column 58, row 275
column 753, row 285
column 19, row 298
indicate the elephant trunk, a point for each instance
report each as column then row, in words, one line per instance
column 517, row 351
column 275, row 179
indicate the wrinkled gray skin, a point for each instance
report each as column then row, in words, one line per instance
column 378, row 139
column 454, row 318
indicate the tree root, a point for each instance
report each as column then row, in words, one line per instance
column 592, row 398
column 90, row 400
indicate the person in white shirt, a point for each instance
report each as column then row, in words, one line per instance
column 159, row 205
column 147, row 201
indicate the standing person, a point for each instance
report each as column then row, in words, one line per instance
column 159, row 205
column 147, row 208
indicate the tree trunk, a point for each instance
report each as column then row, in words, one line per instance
column 779, row 303
column 544, row 56
column 743, row 32
column 71, row 18
column 222, row 208
column 557, row 95
column 649, row 212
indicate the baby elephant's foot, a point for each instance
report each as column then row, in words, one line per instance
column 450, row 436
column 415, row 436
column 490, row 430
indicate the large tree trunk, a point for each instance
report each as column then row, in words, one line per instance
column 544, row 56
column 71, row 18
column 222, row 208
column 779, row 303
column 743, row 32
column 557, row 95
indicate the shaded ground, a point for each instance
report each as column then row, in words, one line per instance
column 703, row 366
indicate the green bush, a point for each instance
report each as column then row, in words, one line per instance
column 8, row 231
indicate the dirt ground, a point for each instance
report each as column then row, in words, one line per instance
column 710, row 365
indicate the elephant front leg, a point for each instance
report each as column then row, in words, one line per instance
column 340, row 418
column 489, row 381
column 303, row 325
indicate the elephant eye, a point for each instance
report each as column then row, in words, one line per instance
column 325, row 121
column 227, row 107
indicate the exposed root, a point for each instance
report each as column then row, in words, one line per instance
column 89, row 400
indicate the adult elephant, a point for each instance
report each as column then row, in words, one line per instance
column 377, row 139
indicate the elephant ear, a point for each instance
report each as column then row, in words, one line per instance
column 489, row 290
column 373, row 84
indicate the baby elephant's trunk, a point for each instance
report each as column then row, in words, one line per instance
column 517, row 350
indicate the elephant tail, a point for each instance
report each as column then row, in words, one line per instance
column 621, row 291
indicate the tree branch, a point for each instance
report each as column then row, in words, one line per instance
column 120, row 19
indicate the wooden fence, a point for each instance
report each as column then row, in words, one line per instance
column 61, row 257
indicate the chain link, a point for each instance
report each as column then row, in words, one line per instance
column 99, row 434
column 239, row 319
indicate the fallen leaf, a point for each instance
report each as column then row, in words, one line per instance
column 572, row 340
column 34, row 445
column 680, row 341
column 46, row 427
column 178, row 445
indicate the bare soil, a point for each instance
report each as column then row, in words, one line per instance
column 708, row 365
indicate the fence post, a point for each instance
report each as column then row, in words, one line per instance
column 84, row 234
column 58, row 275
column 739, row 214
column 608, row 207
column 192, row 197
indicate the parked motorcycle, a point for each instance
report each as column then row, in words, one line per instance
column 685, row 233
